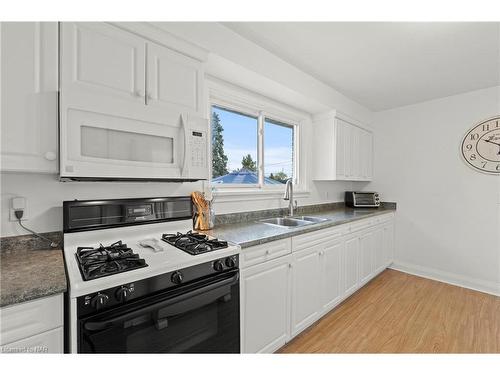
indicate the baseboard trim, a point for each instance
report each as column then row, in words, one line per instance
column 447, row 277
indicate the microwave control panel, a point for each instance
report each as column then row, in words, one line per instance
column 198, row 146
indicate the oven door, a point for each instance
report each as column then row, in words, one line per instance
column 202, row 317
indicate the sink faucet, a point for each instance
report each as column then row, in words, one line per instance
column 289, row 196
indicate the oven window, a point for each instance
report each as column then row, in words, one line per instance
column 205, row 323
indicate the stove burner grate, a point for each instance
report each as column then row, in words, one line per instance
column 194, row 243
column 107, row 260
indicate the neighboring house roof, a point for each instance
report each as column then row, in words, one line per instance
column 243, row 176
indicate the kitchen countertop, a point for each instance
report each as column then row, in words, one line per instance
column 27, row 273
column 253, row 233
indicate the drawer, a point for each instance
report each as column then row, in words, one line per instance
column 382, row 219
column 46, row 342
column 261, row 253
column 305, row 241
column 362, row 224
column 30, row 318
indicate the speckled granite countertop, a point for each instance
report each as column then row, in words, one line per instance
column 28, row 271
column 252, row 232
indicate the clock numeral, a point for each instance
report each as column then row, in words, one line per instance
column 474, row 136
column 472, row 157
column 468, row 147
column 484, row 164
column 486, row 127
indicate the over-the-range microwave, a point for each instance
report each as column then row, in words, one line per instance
column 98, row 147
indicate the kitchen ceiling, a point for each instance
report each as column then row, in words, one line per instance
column 387, row 64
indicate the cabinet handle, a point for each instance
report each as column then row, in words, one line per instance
column 268, row 252
column 50, row 155
column 289, row 265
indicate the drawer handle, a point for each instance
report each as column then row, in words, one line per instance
column 268, row 252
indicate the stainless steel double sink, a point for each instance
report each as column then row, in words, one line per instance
column 293, row 222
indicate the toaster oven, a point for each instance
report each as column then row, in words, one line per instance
column 362, row 199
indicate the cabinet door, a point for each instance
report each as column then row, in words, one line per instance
column 173, row 80
column 341, row 150
column 306, row 289
column 388, row 243
column 367, row 255
column 46, row 342
column 28, row 109
column 100, row 60
column 265, row 306
column 331, row 275
column 355, row 151
column 348, row 149
column 379, row 252
column 369, row 155
column 364, row 154
column 350, row 262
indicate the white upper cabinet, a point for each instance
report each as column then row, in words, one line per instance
column 29, row 96
column 173, row 80
column 102, row 60
column 342, row 150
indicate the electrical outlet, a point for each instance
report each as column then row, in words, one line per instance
column 12, row 215
column 18, row 204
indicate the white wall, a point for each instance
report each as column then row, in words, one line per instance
column 448, row 219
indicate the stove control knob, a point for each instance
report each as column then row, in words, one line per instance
column 218, row 265
column 231, row 262
column 177, row 277
column 99, row 300
column 123, row 293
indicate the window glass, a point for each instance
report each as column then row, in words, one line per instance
column 234, row 147
column 278, row 152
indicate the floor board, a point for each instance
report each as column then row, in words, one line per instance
column 401, row 313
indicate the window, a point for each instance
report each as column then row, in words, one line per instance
column 278, row 152
column 251, row 149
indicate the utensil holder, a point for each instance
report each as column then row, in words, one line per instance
column 204, row 219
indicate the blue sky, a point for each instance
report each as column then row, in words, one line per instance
column 240, row 139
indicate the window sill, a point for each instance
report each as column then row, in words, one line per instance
column 252, row 194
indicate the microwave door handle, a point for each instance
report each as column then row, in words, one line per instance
column 200, row 297
column 184, row 151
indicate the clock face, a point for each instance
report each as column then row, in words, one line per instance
column 481, row 146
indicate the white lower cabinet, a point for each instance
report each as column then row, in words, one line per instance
column 366, row 254
column 331, row 275
column 351, row 270
column 281, row 297
column 388, row 242
column 265, row 306
column 306, row 290
column 33, row 327
column 46, row 342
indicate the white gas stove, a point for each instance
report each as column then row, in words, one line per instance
column 120, row 254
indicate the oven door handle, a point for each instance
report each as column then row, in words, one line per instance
column 173, row 306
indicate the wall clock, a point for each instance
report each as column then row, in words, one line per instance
column 481, row 146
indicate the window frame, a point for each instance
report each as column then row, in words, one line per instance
column 248, row 105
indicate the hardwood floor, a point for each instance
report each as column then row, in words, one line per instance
column 401, row 313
